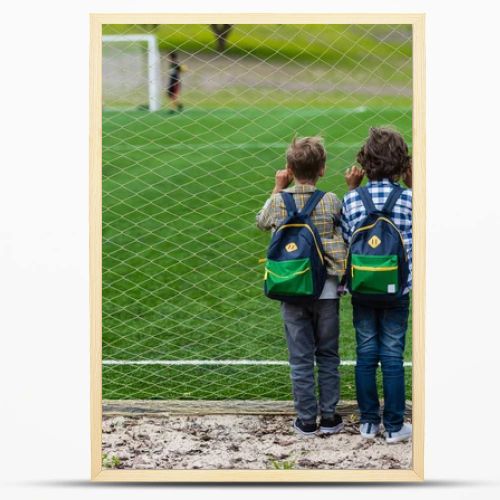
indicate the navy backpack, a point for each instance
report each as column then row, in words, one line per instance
column 377, row 263
column 295, row 266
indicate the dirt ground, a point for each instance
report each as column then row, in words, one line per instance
column 240, row 442
column 211, row 74
column 125, row 76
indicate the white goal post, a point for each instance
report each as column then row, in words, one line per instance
column 153, row 64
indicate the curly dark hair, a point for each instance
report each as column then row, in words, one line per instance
column 384, row 155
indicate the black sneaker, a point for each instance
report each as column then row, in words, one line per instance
column 331, row 425
column 305, row 429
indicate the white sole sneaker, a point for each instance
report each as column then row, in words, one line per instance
column 403, row 434
column 332, row 430
column 371, row 431
column 302, row 433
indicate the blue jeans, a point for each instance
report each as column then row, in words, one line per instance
column 380, row 337
column 312, row 335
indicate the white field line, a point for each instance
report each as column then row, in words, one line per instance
column 209, row 362
column 297, row 112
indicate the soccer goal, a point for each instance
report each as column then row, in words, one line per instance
column 131, row 72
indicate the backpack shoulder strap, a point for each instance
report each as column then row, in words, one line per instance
column 366, row 198
column 313, row 200
column 291, row 207
column 392, row 199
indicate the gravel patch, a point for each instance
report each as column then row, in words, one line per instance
column 240, row 442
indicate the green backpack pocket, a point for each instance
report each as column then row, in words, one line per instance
column 374, row 273
column 289, row 277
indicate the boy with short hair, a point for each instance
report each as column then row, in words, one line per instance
column 312, row 331
column 381, row 329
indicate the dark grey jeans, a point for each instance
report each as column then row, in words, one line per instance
column 312, row 334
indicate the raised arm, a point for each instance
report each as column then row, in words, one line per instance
column 353, row 177
column 265, row 219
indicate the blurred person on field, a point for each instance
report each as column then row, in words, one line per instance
column 174, row 83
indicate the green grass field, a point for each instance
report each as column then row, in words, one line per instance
column 181, row 278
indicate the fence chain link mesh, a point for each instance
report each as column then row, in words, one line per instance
column 184, row 316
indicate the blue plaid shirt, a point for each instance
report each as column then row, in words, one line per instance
column 353, row 213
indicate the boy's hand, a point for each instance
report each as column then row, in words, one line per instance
column 353, row 177
column 282, row 180
column 408, row 176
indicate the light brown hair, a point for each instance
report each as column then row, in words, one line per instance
column 306, row 157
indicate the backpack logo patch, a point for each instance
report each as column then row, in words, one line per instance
column 291, row 247
column 374, row 241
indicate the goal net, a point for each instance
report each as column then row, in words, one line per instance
column 131, row 72
column 184, row 315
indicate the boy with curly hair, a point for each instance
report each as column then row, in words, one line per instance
column 381, row 329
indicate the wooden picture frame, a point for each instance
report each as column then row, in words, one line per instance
column 417, row 472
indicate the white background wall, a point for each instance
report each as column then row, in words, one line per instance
column 44, row 427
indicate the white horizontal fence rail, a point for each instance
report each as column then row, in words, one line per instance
column 210, row 362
